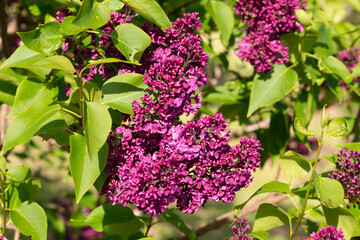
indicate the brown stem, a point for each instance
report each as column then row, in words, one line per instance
column 229, row 216
column 4, row 34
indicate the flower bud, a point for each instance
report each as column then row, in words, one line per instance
column 303, row 18
column 324, row 118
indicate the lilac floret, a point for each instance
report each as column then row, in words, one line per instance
column 348, row 166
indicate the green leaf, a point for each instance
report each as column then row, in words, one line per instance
column 9, row 81
column 84, row 170
column 273, row 186
column 69, row 3
column 40, row 93
column 22, row 57
column 301, row 191
column 353, row 146
column 270, row 88
column 19, row 174
column 354, row 209
column 68, row 28
column 355, row 73
column 130, row 40
column 330, row 191
column 97, row 123
column 17, row 194
column 340, row 218
column 150, row 10
column 294, row 165
column 53, row 124
column 337, row 127
column 279, row 132
column 56, row 62
column 179, row 223
column 114, row 5
column 108, row 214
column 336, row 66
column 126, row 230
column 335, row 86
column 27, row 124
column 105, row 60
column 121, row 90
column 2, row 164
column 45, row 39
column 92, row 93
column 303, row 18
column 261, row 235
column 92, row 14
column 220, row 97
column 269, row 216
column 300, row 129
column 30, row 219
column 223, row 17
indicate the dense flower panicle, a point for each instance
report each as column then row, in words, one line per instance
column 348, row 174
column 266, row 20
column 240, row 228
column 326, row 233
column 350, row 57
column 190, row 163
column 262, row 52
column 270, row 16
column 154, row 158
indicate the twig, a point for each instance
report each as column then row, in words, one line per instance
column 229, row 216
column 4, row 34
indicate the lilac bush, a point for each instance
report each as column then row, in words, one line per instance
column 162, row 151
column 348, row 166
column 266, row 22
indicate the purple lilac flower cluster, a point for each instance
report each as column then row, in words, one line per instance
column 348, row 173
column 326, row 233
column 350, row 57
column 266, row 20
column 240, row 228
column 154, row 158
